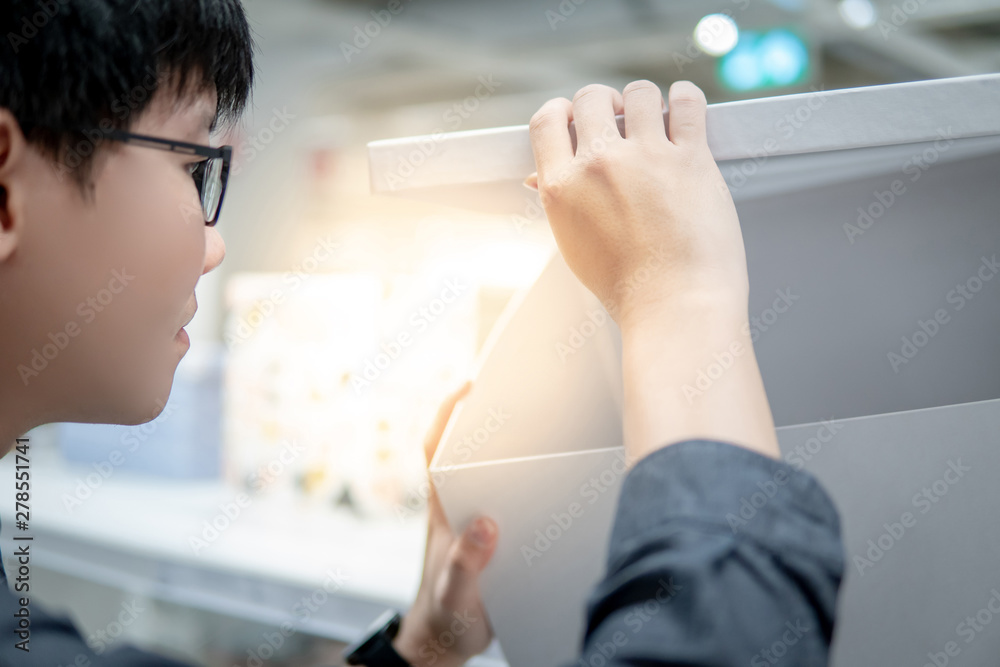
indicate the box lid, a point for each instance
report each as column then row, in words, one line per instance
column 483, row 169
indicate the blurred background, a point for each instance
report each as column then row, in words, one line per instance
column 286, row 473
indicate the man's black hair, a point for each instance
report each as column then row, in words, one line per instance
column 73, row 65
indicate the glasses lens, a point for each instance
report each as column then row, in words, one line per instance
column 211, row 188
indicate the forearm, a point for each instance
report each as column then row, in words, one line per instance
column 690, row 372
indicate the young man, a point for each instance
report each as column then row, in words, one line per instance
column 109, row 193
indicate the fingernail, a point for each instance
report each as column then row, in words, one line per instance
column 531, row 182
column 482, row 532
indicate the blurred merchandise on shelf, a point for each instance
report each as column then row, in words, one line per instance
column 332, row 381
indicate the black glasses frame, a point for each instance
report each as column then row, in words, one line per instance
column 210, row 152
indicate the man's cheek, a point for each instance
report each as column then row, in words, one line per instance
column 178, row 227
column 162, row 262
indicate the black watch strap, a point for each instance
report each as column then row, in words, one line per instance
column 375, row 649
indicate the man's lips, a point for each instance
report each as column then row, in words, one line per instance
column 191, row 317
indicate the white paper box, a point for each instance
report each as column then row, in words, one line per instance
column 871, row 218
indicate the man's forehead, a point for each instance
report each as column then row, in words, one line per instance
column 200, row 110
column 194, row 112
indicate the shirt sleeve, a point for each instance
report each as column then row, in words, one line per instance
column 718, row 556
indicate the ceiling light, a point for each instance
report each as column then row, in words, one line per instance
column 716, row 34
column 858, row 14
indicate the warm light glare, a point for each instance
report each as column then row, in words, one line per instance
column 716, row 34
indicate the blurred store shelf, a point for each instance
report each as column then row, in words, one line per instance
column 263, row 563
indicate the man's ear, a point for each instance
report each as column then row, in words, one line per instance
column 13, row 147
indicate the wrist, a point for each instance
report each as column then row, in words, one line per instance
column 690, row 372
column 415, row 644
column 708, row 309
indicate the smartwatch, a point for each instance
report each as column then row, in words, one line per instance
column 374, row 648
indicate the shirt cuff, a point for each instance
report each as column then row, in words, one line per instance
column 724, row 487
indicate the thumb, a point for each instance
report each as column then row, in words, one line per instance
column 474, row 549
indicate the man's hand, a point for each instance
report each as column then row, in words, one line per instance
column 647, row 223
column 643, row 217
column 447, row 624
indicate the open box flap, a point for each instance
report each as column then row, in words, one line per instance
column 548, row 379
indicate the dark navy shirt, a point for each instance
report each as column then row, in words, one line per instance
column 718, row 556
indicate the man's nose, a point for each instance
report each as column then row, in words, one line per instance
column 215, row 249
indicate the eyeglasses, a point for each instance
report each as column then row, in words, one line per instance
column 210, row 175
